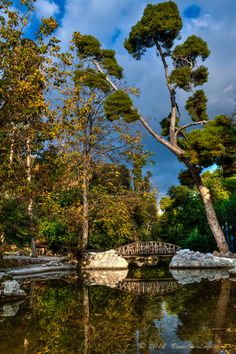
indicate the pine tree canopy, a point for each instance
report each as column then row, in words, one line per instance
column 91, row 79
column 160, row 23
column 88, row 47
column 187, row 53
column 119, row 105
column 196, row 106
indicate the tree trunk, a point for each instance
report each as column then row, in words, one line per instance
column 212, row 219
column 210, row 212
column 86, row 320
column 1, row 245
column 85, row 186
column 30, row 199
column 33, row 248
column 11, row 154
column 221, row 311
column 87, row 157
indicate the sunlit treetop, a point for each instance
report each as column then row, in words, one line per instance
column 91, row 79
column 119, row 105
column 216, row 143
column 160, row 23
column 186, row 54
column 48, row 26
column 89, row 48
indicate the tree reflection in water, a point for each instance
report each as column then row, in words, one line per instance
column 62, row 317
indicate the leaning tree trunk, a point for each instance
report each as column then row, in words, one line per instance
column 210, row 212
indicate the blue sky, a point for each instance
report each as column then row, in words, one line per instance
column 110, row 21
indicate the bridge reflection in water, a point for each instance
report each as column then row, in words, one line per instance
column 118, row 279
column 150, row 286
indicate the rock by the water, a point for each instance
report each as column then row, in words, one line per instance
column 9, row 309
column 103, row 260
column 190, row 259
column 188, row 276
column 11, row 288
column 41, row 268
column 104, row 277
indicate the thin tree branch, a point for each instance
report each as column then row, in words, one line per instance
column 201, row 122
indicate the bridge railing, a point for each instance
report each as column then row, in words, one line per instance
column 161, row 287
column 148, row 247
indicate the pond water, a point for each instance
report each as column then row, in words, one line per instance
column 149, row 313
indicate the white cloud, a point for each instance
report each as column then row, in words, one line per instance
column 203, row 21
column 46, row 8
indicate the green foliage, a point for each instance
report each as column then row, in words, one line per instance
column 87, row 46
column 183, row 221
column 185, row 178
column 165, row 125
column 57, row 235
column 119, row 105
column 215, row 143
column 181, row 77
column 52, row 230
column 48, row 26
column 14, row 221
column 91, row 79
column 184, row 77
column 112, row 222
column 199, row 76
column 110, row 64
column 186, row 54
column 159, row 23
column 215, row 182
column 196, row 106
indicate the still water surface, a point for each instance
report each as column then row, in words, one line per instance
column 149, row 313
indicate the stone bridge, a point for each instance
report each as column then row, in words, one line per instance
column 152, row 248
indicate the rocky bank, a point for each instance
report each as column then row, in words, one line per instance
column 103, row 260
column 185, row 259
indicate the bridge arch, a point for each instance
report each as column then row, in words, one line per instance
column 145, row 248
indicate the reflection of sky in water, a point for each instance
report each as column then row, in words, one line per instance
column 168, row 326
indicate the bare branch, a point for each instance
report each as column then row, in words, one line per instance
column 201, row 122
